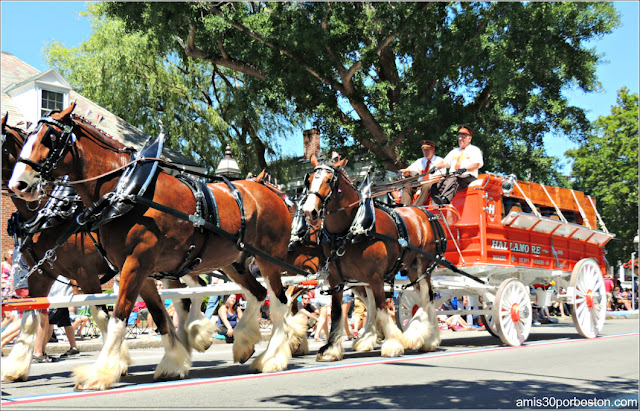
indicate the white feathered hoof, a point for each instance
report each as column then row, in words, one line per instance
column 413, row 339
column 330, row 353
column 91, row 377
column 200, row 334
column 244, row 342
column 125, row 359
column 17, row 365
column 432, row 341
column 365, row 343
column 277, row 362
column 302, row 348
column 392, row 348
column 175, row 363
column 241, row 354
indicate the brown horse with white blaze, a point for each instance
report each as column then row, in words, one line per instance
column 77, row 259
column 331, row 197
column 145, row 240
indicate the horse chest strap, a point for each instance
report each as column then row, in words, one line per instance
column 243, row 220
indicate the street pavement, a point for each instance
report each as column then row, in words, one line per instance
column 149, row 339
column 470, row 370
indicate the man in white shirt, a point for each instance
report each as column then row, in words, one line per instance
column 463, row 162
column 421, row 166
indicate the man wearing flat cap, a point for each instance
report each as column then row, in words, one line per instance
column 463, row 162
column 421, row 166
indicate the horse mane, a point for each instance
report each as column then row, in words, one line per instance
column 22, row 132
column 260, row 178
column 99, row 134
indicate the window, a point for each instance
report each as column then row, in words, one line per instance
column 51, row 101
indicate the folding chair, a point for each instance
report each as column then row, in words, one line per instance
column 92, row 330
column 132, row 326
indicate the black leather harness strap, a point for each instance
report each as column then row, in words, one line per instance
column 219, row 231
column 402, row 240
column 206, row 210
column 243, row 220
column 113, row 270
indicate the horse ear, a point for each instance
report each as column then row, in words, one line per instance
column 5, row 118
column 67, row 111
column 260, row 176
column 340, row 163
column 314, row 160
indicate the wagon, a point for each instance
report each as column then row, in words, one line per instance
column 515, row 237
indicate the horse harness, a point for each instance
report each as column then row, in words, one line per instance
column 62, row 207
column 363, row 226
column 132, row 189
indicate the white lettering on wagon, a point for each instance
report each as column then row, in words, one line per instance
column 499, row 245
column 520, row 247
column 516, row 247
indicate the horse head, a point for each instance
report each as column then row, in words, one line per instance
column 42, row 152
column 13, row 139
column 328, row 189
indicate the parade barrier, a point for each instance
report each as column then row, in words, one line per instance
column 23, row 304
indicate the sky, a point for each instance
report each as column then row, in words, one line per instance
column 41, row 22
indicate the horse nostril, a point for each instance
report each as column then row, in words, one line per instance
column 22, row 186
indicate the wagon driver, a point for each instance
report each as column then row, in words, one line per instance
column 463, row 162
column 420, row 166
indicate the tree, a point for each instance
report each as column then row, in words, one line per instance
column 202, row 107
column 606, row 167
column 386, row 74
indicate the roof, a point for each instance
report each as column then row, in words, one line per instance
column 16, row 73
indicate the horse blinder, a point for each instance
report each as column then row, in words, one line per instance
column 57, row 141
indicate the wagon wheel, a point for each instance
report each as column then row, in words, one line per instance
column 489, row 321
column 589, row 301
column 512, row 312
column 408, row 305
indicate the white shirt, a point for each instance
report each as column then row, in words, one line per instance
column 470, row 155
column 420, row 167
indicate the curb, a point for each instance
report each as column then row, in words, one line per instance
column 143, row 341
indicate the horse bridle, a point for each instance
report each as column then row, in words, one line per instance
column 60, row 143
column 333, row 184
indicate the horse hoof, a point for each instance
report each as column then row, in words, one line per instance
column 165, row 378
column 246, row 357
column 392, row 348
column 274, row 365
column 326, row 358
column 90, row 386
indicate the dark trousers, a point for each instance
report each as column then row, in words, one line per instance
column 223, row 330
column 443, row 191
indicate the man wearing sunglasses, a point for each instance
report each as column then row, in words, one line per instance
column 463, row 162
column 305, row 307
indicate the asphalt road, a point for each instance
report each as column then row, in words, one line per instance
column 554, row 369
